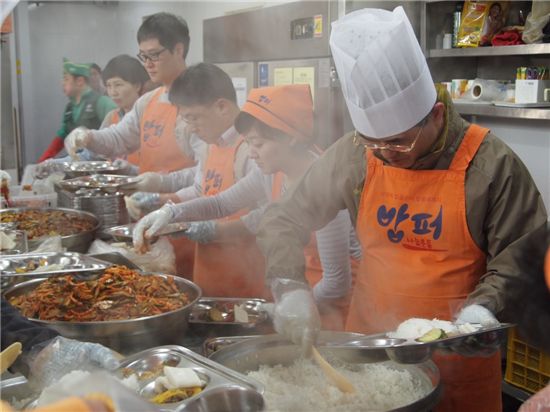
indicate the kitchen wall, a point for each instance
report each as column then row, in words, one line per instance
column 88, row 32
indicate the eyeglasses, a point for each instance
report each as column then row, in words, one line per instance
column 359, row 140
column 153, row 57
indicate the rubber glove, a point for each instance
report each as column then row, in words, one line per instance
column 77, row 139
column 148, row 182
column 5, row 176
column 126, row 168
column 140, row 203
column 46, row 168
column 295, row 316
column 60, row 355
column 201, row 232
column 477, row 314
column 150, row 224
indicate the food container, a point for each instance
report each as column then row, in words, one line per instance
column 83, row 168
column 124, row 233
column 483, row 342
column 215, row 344
column 105, row 182
column 203, row 323
column 38, row 196
column 223, row 386
column 273, row 350
column 125, row 336
column 78, row 242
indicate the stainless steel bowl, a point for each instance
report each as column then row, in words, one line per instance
column 229, row 398
column 125, row 336
column 273, row 350
column 84, row 168
column 79, row 242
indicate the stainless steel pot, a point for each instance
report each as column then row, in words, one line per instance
column 125, row 336
column 79, row 242
column 273, row 350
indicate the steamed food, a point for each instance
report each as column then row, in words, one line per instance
column 302, row 386
column 430, row 330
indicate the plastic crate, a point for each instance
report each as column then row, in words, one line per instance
column 31, row 198
column 526, row 366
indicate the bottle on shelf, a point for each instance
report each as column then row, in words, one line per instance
column 457, row 15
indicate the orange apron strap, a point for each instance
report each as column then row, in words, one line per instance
column 472, row 140
column 277, row 186
column 547, row 268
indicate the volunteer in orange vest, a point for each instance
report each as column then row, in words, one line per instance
column 277, row 122
column 207, row 101
column 439, row 205
column 150, row 126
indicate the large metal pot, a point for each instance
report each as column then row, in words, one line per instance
column 79, row 242
column 248, row 355
column 125, row 336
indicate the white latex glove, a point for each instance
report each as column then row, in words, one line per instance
column 5, row 176
column 477, row 314
column 201, row 232
column 150, row 224
column 46, row 168
column 62, row 355
column 77, row 139
column 296, row 316
column 126, row 168
column 140, row 203
column 148, row 182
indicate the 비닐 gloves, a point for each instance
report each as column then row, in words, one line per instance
column 295, row 315
column 46, row 168
column 126, row 167
column 140, row 203
column 477, row 314
column 150, row 224
column 62, row 355
column 148, row 182
column 201, row 232
column 77, row 139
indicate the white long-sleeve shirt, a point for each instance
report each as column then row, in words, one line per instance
column 335, row 242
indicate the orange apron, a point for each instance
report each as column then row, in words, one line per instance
column 226, row 269
column 132, row 157
column 333, row 317
column 419, row 260
column 547, row 268
column 159, row 152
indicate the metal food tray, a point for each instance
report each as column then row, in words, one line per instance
column 215, row 375
column 92, row 166
column 375, row 348
column 64, row 262
column 200, row 312
column 124, row 233
column 105, row 182
column 215, row 344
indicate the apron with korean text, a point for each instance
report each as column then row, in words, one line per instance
column 159, row 152
column 419, row 260
column 333, row 316
column 227, row 269
column 132, row 157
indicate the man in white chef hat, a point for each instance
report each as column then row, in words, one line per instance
column 440, row 205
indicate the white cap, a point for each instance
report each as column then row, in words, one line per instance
column 384, row 75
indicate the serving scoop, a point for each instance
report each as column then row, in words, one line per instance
column 339, row 380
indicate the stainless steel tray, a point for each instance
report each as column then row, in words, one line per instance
column 81, row 168
column 152, row 360
column 215, row 344
column 482, row 342
column 124, row 233
column 201, row 311
column 44, row 264
column 105, row 182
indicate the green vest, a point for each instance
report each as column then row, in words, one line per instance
column 88, row 115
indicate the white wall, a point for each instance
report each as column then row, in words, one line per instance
column 88, row 32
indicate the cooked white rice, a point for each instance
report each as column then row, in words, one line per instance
column 302, row 386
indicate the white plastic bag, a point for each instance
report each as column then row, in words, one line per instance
column 537, row 19
column 51, row 244
column 160, row 257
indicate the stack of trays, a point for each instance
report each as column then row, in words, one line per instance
column 108, row 207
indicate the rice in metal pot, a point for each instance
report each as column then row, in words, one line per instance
column 302, row 386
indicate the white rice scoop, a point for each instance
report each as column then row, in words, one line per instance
column 339, row 380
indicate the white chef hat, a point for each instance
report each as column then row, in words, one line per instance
column 384, row 75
